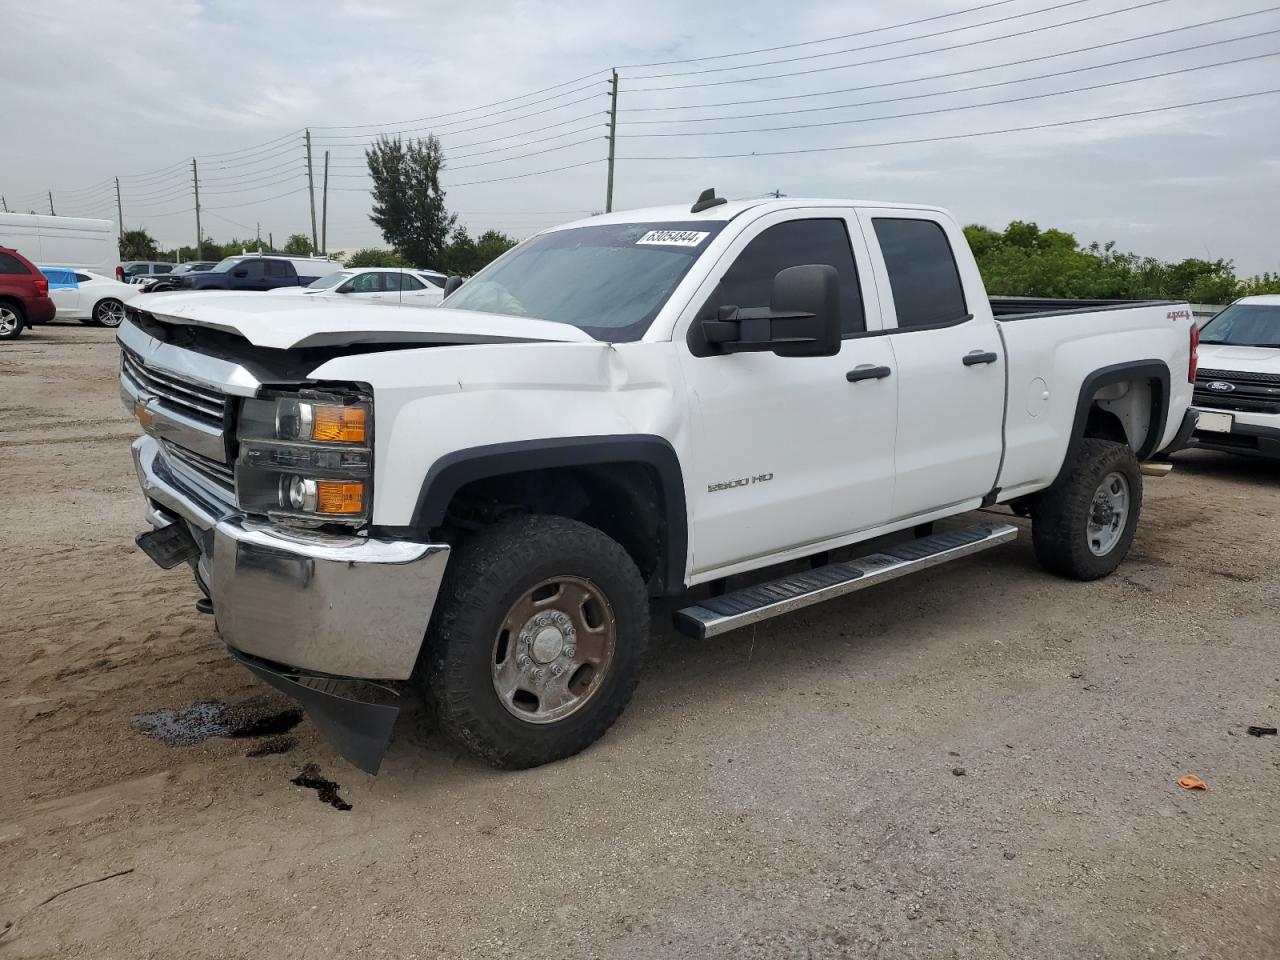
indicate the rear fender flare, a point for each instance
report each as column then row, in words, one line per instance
column 1156, row 372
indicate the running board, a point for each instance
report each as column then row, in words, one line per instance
column 716, row 615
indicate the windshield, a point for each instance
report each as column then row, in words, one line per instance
column 1244, row 325
column 225, row 266
column 609, row 280
column 332, row 280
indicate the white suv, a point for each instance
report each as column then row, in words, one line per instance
column 1238, row 384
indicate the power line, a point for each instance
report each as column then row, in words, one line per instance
column 486, row 106
column 534, row 153
column 870, row 46
column 963, row 136
column 956, row 107
column 982, row 69
column 900, row 56
column 807, row 43
column 449, row 133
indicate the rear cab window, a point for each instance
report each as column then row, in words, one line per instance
column 923, row 275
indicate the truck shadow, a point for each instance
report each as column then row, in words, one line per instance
column 856, row 634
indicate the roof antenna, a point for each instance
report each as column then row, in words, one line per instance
column 706, row 200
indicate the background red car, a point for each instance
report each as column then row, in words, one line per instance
column 24, row 294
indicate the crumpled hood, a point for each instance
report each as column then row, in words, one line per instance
column 287, row 322
column 1215, row 356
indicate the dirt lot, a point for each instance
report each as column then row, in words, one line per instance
column 791, row 791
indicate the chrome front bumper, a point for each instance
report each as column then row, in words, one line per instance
column 345, row 606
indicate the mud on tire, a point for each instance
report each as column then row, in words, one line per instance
column 497, row 581
column 1075, row 529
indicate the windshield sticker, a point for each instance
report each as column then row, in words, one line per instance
column 674, row 238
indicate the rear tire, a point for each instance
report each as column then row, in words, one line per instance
column 12, row 320
column 537, row 640
column 1082, row 526
column 108, row 312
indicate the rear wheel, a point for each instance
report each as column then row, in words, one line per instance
column 12, row 320
column 537, row 640
column 1082, row 526
column 108, row 312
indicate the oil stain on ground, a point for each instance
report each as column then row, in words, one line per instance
column 327, row 789
column 256, row 717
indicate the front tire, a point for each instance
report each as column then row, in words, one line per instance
column 12, row 320
column 108, row 313
column 537, row 641
column 1082, row 526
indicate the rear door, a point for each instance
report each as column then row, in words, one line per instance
column 950, row 360
column 280, row 274
column 789, row 452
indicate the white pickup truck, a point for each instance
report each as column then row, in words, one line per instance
column 475, row 503
column 1238, row 388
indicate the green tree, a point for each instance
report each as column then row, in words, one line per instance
column 408, row 201
column 374, row 257
column 490, row 245
column 299, row 244
column 137, row 245
column 459, row 255
column 1257, row 286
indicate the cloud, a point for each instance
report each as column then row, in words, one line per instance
column 234, row 83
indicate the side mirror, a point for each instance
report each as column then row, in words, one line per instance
column 802, row 319
column 345, row 288
column 452, row 284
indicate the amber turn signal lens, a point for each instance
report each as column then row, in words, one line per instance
column 339, row 424
column 337, row 496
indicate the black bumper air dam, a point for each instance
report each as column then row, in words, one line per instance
column 360, row 730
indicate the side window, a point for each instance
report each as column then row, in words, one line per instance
column 922, row 272
column 83, row 278
column 162, row 267
column 408, row 282
column 11, row 264
column 255, row 269
column 438, row 282
column 367, row 283
column 275, row 268
column 749, row 282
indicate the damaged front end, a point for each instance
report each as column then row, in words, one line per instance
column 266, row 493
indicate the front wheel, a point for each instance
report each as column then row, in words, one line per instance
column 1082, row 526
column 108, row 313
column 11, row 321
column 537, row 640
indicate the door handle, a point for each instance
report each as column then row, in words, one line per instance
column 867, row 372
column 980, row 356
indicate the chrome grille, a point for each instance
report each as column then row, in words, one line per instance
column 181, row 396
column 217, row 474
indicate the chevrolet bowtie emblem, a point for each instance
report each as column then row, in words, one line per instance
column 144, row 415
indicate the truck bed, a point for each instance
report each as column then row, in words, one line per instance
column 1019, row 308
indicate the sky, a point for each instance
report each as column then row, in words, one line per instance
column 100, row 89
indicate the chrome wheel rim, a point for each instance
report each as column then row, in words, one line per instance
column 1108, row 514
column 110, row 313
column 553, row 650
column 8, row 320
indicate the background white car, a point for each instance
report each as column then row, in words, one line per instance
column 92, row 299
column 394, row 285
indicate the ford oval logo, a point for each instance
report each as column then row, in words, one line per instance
column 1221, row 386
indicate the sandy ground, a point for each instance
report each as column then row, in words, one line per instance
column 788, row 791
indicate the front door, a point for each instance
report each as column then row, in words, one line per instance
column 789, row 451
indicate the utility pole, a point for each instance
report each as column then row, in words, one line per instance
column 119, row 209
column 271, row 240
column 311, row 188
column 6, row 204
column 324, row 208
column 613, row 130
column 195, row 182
column 51, row 213
column 258, row 224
